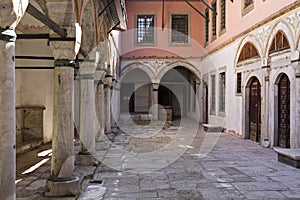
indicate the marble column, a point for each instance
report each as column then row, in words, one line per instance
column 86, row 154
column 100, row 106
column 107, row 104
column 107, row 88
column 7, row 115
column 265, row 139
column 62, row 181
column 114, row 127
column 155, row 100
column 10, row 15
column 100, row 97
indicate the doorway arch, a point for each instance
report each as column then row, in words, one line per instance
column 178, row 91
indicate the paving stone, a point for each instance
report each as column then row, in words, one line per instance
column 245, row 170
column 263, row 195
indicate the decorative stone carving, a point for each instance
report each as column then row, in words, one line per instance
column 294, row 21
column 263, row 34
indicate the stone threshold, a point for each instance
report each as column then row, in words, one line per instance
column 288, row 156
column 212, row 128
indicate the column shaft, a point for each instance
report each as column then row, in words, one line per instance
column 108, row 105
column 101, row 108
column 62, row 164
column 7, row 120
column 155, row 101
column 87, row 110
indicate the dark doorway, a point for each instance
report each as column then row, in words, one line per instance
column 255, row 111
column 284, row 112
column 205, row 103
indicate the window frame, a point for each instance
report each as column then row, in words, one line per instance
column 274, row 41
column 188, row 27
column 213, row 92
column 214, row 21
column 136, row 43
column 206, row 26
column 237, row 93
column 247, row 9
column 222, row 98
column 222, row 17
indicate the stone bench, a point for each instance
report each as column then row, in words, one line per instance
column 212, row 128
column 288, row 156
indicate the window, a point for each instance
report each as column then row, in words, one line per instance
column 206, row 25
column 239, row 83
column 179, row 26
column 247, row 3
column 214, row 19
column 213, row 94
column 145, row 29
column 222, row 92
column 247, row 6
column 223, row 15
column 248, row 51
column 279, row 43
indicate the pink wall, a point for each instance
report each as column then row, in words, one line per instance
column 236, row 23
column 162, row 49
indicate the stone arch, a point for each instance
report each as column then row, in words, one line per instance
column 137, row 65
column 251, row 76
column 283, row 27
column 165, row 69
column 253, row 40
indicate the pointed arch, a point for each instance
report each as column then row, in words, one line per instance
column 248, row 51
column 280, row 29
column 249, row 40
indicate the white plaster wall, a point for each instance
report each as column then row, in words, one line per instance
column 223, row 60
column 35, row 87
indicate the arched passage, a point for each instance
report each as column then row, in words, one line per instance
column 135, row 92
column 178, row 91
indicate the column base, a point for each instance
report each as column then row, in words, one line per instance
column 63, row 187
column 86, row 159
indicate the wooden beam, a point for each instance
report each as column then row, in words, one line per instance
column 32, row 36
column 45, row 20
column 191, row 5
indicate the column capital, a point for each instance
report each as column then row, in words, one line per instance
column 64, row 63
column 7, row 35
column 155, row 86
column 63, row 50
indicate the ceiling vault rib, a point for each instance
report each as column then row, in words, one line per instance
column 107, row 6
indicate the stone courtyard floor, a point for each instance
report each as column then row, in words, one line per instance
column 234, row 168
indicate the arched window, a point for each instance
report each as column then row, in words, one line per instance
column 279, row 43
column 248, row 51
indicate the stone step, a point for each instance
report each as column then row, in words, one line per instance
column 288, row 156
column 212, row 128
